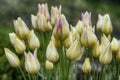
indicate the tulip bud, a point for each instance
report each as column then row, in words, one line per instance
column 19, row 46
column 49, row 65
column 96, row 50
column 88, row 37
column 86, row 18
column 12, row 58
column 106, row 55
column 34, row 21
column 51, row 52
column 33, row 40
column 55, row 13
column 43, row 24
column 43, row 9
column 104, row 24
column 21, row 28
column 32, row 64
column 118, row 56
column 79, row 27
column 115, row 45
column 68, row 41
column 74, row 51
column 61, row 30
column 12, row 37
column 56, row 41
column 86, row 67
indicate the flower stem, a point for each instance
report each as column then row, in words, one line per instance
column 22, row 73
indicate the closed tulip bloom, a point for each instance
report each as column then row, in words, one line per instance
column 34, row 22
column 51, row 53
column 32, row 64
column 56, row 42
column 43, row 24
column 86, row 18
column 106, row 55
column 86, row 67
column 19, row 46
column 68, row 41
column 49, row 65
column 55, row 13
column 21, row 28
column 12, row 58
column 96, row 50
column 118, row 56
column 115, row 45
column 74, row 51
column 61, row 30
column 79, row 27
column 43, row 9
column 33, row 40
column 104, row 24
column 88, row 37
column 12, row 37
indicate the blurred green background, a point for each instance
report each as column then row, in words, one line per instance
column 11, row 9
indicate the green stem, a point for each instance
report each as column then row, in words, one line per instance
column 22, row 73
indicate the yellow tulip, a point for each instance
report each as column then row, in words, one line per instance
column 115, row 45
column 32, row 64
column 49, row 65
column 12, row 58
column 86, row 18
column 43, row 24
column 21, row 28
column 96, row 50
column 74, row 51
column 61, row 30
column 104, row 24
column 106, row 55
column 43, row 9
column 79, row 27
column 88, row 37
column 51, row 52
column 86, row 67
column 34, row 21
column 33, row 40
column 55, row 13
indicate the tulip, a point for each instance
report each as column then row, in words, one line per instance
column 79, row 27
column 56, row 41
column 19, row 46
column 104, row 24
column 74, row 51
column 21, row 28
column 96, row 50
column 61, row 30
column 43, row 24
column 88, row 37
column 86, row 18
column 43, row 9
column 115, row 45
column 12, row 58
column 49, row 65
column 106, row 55
column 32, row 64
column 12, row 37
column 51, row 52
column 33, row 40
column 34, row 21
column 86, row 67
column 55, row 13
column 118, row 56
column 68, row 41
